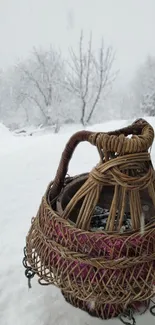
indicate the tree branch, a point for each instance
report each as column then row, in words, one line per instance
column 81, row 65
column 30, row 97
column 90, row 75
column 88, row 65
column 104, row 67
column 30, row 76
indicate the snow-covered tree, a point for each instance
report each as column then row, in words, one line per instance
column 90, row 76
column 41, row 78
column 144, row 88
column 148, row 104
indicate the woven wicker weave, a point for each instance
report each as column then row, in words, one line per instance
column 102, row 272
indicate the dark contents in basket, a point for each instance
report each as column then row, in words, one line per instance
column 100, row 216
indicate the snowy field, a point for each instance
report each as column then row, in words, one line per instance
column 27, row 164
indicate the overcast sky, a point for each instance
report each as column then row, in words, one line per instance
column 129, row 25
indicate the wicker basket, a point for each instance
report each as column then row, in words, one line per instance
column 102, row 271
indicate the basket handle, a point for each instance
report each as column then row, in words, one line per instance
column 62, row 170
column 142, row 129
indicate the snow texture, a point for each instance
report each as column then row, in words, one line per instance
column 27, row 164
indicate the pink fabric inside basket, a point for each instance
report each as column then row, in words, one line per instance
column 97, row 245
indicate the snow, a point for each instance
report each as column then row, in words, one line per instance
column 4, row 131
column 27, row 164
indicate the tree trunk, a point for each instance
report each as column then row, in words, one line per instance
column 83, row 114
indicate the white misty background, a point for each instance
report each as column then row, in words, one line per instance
column 80, row 83
column 46, row 89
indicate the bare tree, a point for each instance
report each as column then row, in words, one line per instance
column 90, row 77
column 41, row 82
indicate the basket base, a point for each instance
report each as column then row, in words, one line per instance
column 105, row 311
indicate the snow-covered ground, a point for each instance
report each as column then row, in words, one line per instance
column 27, row 164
